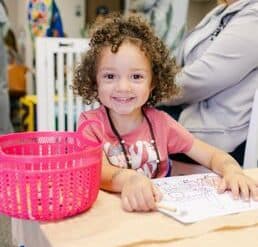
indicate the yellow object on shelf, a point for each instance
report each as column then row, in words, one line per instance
column 28, row 112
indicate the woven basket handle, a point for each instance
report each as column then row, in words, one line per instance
column 86, row 141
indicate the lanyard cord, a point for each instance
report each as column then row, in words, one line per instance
column 122, row 142
column 153, row 141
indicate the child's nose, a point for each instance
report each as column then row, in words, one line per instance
column 124, row 85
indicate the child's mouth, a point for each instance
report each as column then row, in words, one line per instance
column 123, row 100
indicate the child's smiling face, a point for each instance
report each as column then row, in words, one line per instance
column 124, row 79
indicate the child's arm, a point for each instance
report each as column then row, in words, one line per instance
column 137, row 191
column 222, row 163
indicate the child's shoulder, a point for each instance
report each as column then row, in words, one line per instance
column 98, row 113
column 158, row 114
column 160, row 118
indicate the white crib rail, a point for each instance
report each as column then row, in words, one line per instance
column 57, row 107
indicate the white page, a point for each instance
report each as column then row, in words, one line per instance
column 196, row 198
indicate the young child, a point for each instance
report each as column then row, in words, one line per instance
column 128, row 70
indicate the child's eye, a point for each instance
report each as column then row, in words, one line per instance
column 109, row 76
column 137, row 76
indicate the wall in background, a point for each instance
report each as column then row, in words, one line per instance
column 13, row 15
column 73, row 16
column 91, row 8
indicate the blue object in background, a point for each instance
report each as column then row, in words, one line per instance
column 56, row 27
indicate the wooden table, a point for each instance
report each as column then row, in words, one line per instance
column 106, row 224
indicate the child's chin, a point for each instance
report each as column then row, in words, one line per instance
column 124, row 111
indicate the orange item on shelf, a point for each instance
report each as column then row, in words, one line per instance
column 17, row 78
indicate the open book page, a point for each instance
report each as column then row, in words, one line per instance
column 195, row 197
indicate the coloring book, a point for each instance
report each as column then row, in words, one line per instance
column 195, row 197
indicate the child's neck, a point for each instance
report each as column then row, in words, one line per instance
column 126, row 123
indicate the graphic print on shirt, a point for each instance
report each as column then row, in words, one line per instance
column 142, row 155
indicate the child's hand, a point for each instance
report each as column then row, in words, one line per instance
column 139, row 194
column 240, row 185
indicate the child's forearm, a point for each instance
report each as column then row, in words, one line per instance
column 213, row 158
column 113, row 178
column 223, row 163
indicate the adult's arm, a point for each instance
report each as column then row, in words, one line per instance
column 231, row 56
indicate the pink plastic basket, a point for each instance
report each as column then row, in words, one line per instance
column 48, row 175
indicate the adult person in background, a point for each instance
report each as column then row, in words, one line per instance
column 5, row 123
column 220, row 75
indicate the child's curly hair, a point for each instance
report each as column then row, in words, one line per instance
column 112, row 31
